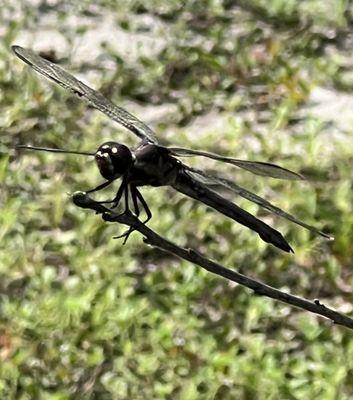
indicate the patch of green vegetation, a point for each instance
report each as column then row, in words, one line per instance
column 82, row 316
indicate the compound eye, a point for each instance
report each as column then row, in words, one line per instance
column 101, row 155
column 105, row 148
column 104, row 164
column 113, row 159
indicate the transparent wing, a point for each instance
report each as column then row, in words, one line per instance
column 256, row 167
column 93, row 97
column 212, row 180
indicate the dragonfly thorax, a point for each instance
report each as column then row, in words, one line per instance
column 113, row 160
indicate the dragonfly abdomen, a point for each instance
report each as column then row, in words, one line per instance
column 192, row 188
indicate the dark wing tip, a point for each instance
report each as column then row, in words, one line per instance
column 301, row 176
column 16, row 49
column 19, row 52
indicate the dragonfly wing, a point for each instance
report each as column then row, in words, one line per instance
column 93, row 97
column 256, row 167
column 185, row 183
column 211, row 180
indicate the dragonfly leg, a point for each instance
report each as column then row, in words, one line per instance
column 126, row 193
column 119, row 194
column 125, row 190
column 99, row 187
column 134, row 200
column 143, row 202
column 116, row 199
column 125, row 235
column 136, row 196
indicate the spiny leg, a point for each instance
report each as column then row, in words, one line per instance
column 119, row 194
column 125, row 190
column 134, row 200
column 116, row 198
column 135, row 192
column 99, row 187
column 137, row 213
column 136, row 195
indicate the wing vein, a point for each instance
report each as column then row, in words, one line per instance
column 93, row 97
column 210, row 180
column 256, row 167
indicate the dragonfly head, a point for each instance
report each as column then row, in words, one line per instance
column 113, row 160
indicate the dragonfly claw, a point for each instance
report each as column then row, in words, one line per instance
column 125, row 235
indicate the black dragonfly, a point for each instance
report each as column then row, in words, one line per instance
column 156, row 165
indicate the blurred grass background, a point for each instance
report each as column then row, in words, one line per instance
column 81, row 316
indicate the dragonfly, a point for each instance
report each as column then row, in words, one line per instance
column 153, row 164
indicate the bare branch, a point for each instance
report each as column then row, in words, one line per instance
column 82, row 200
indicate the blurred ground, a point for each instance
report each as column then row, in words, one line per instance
column 83, row 317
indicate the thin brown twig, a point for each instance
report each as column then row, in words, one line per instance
column 82, row 200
